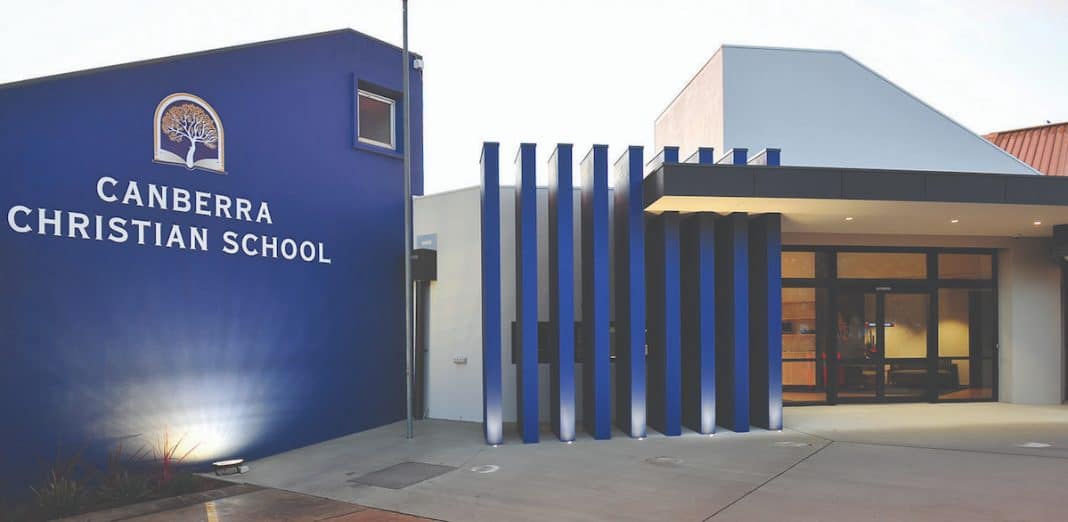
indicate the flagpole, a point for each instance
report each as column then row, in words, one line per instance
column 406, row 103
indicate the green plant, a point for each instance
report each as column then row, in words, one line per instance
column 62, row 492
column 59, row 496
column 168, row 456
column 125, row 488
column 121, row 482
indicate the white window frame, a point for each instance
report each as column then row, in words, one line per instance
column 392, row 120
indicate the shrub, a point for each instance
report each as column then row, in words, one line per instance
column 169, row 456
column 121, row 482
column 70, row 487
column 63, row 492
column 60, row 496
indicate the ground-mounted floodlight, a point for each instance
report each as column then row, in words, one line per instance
column 230, row 467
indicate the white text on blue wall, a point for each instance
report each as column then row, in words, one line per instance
column 24, row 219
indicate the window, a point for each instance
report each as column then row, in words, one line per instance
column 376, row 119
column 799, row 265
column 965, row 266
column 882, row 265
column 805, row 333
column 805, row 265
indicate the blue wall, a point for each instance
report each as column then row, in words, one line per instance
column 245, row 356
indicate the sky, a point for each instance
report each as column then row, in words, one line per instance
column 585, row 71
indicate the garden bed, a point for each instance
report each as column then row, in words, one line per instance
column 77, row 499
column 72, row 486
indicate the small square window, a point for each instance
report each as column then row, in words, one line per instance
column 375, row 119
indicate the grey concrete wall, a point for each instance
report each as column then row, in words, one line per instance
column 454, row 391
column 1030, row 330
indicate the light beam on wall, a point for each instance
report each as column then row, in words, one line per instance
column 217, row 378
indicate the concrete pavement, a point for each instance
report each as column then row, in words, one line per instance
column 274, row 505
column 883, row 462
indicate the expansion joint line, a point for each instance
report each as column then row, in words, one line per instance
column 762, row 484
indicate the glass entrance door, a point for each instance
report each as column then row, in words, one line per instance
column 905, row 364
column 882, row 346
column 858, row 347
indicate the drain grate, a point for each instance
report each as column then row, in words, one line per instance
column 400, row 476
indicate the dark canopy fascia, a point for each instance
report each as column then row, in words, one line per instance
column 685, row 179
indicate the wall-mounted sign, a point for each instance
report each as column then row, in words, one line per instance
column 188, row 132
column 428, row 241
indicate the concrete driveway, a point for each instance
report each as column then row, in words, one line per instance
column 984, row 461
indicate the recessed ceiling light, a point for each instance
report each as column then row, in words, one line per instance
column 1038, row 222
column 954, row 220
column 850, row 218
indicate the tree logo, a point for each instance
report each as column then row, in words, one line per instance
column 188, row 133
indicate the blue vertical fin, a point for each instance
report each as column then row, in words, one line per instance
column 596, row 369
column 490, row 194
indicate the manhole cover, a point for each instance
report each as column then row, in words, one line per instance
column 792, row 444
column 667, row 462
column 485, row 468
column 401, row 475
column 1034, row 445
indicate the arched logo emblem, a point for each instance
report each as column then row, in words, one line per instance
column 188, row 132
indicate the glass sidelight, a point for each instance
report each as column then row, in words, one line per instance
column 966, row 343
column 805, row 339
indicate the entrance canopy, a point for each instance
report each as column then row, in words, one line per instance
column 839, row 200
